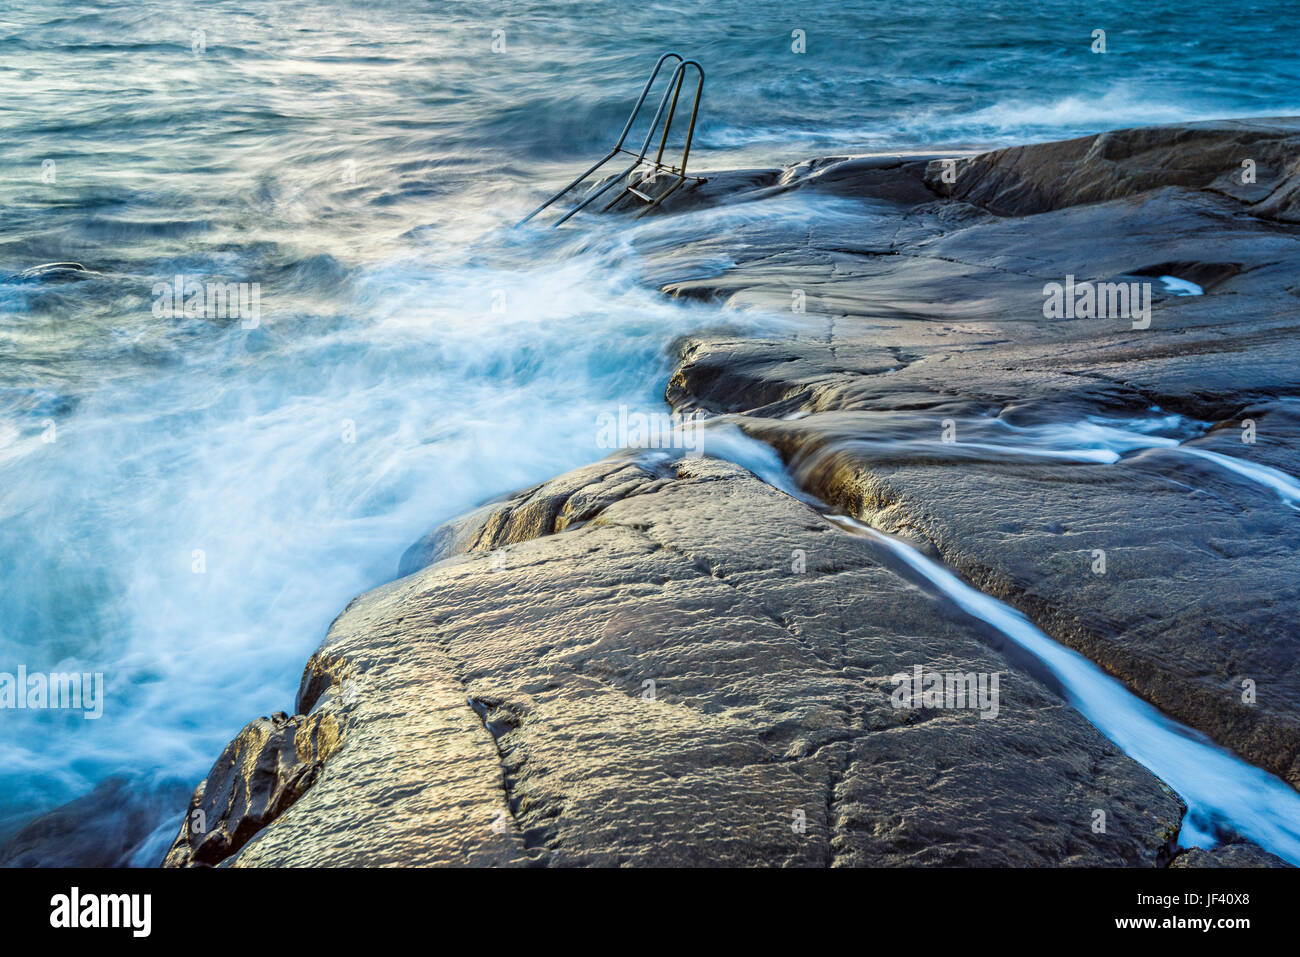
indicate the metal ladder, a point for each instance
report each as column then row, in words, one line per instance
column 654, row 166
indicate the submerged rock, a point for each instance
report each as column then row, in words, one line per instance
column 56, row 272
column 125, row 809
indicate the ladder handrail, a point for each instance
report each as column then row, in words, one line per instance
column 674, row 87
column 654, row 124
column 695, row 113
column 627, row 128
column 645, row 146
column 679, row 75
column 644, row 93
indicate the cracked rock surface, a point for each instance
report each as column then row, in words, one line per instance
column 658, row 686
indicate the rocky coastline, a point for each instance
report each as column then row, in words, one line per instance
column 666, row 661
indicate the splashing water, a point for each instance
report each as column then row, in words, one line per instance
column 190, row 534
column 1181, row 287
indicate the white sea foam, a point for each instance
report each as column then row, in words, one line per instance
column 191, row 535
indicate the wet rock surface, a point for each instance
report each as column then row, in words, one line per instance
column 1024, row 180
column 1227, row 855
column 659, row 685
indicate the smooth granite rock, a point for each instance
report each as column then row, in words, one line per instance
column 261, row 773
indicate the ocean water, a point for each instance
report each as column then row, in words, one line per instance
column 186, row 502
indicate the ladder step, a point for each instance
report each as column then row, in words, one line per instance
column 636, row 192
